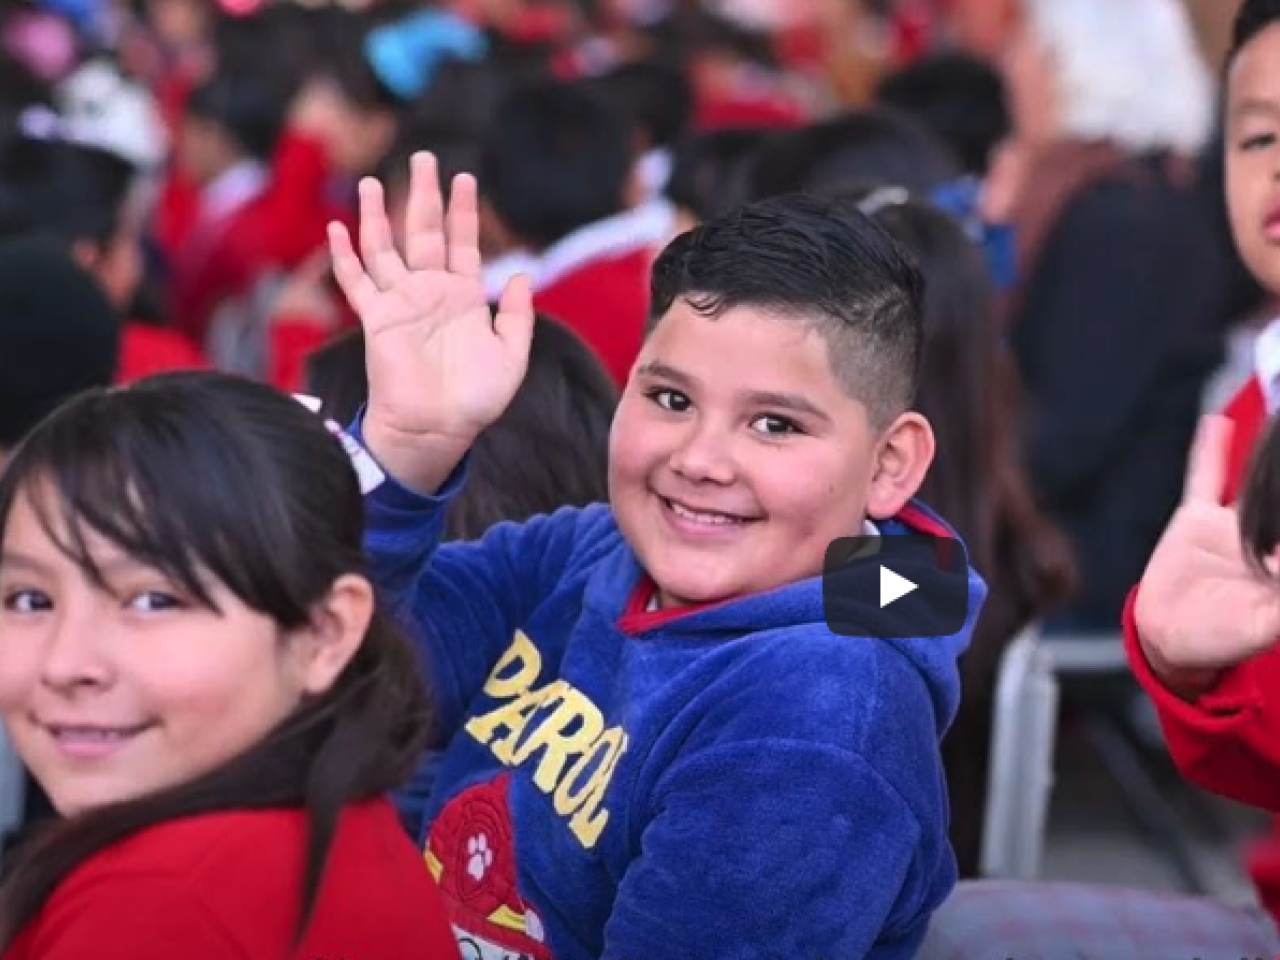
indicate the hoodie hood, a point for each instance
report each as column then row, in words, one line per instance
column 931, row 627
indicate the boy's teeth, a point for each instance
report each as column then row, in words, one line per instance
column 98, row 734
column 716, row 518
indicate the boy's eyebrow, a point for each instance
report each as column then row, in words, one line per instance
column 1256, row 105
column 656, row 368
column 786, row 401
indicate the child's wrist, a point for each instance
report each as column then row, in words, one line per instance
column 420, row 462
column 1187, row 683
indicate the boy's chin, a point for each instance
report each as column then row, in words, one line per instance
column 680, row 584
column 678, row 587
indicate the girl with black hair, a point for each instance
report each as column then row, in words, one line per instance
column 201, row 682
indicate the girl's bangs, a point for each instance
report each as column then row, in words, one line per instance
column 129, row 480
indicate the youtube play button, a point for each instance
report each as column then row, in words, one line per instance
column 893, row 587
column 896, row 586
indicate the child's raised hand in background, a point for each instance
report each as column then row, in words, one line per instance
column 1202, row 607
column 441, row 367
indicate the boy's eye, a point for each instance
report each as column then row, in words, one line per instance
column 774, row 426
column 27, row 601
column 672, row 400
column 153, row 601
column 1258, row 141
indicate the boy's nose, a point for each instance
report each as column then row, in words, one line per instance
column 705, row 457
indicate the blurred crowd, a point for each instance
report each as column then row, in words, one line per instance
column 1054, row 165
column 189, row 156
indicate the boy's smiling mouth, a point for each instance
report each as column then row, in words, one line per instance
column 699, row 519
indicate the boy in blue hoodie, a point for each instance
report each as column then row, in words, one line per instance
column 658, row 748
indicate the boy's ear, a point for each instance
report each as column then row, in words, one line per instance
column 903, row 457
column 338, row 626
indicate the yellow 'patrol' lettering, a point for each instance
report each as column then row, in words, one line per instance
column 579, row 755
column 575, row 710
column 585, row 824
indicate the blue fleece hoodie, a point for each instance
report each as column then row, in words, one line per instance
column 730, row 782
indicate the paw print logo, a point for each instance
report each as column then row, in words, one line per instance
column 479, row 856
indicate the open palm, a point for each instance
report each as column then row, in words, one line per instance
column 440, row 365
column 1202, row 605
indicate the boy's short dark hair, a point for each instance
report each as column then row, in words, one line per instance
column 1254, row 17
column 710, row 170
column 554, row 158
column 656, row 96
column 455, row 150
column 250, row 108
column 60, row 335
column 878, row 144
column 959, row 97
column 821, row 263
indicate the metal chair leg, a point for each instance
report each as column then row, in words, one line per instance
column 1152, row 814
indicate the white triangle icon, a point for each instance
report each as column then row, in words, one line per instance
column 893, row 587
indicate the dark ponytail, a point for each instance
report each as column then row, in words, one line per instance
column 1260, row 501
column 159, row 470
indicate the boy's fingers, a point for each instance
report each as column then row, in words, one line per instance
column 515, row 317
column 1207, row 465
column 463, row 227
column 381, row 260
column 424, row 215
column 357, row 286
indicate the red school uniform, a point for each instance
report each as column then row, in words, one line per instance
column 146, row 350
column 273, row 229
column 596, row 281
column 1226, row 741
column 228, row 886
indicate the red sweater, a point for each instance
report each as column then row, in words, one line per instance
column 606, row 302
column 147, row 350
column 228, row 887
column 276, row 230
column 1228, row 740
column 1248, row 411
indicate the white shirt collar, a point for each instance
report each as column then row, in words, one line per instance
column 232, row 189
column 1266, row 363
column 647, row 226
column 654, row 170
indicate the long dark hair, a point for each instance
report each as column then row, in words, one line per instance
column 206, row 475
column 969, row 393
column 1260, row 501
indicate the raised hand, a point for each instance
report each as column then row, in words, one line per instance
column 1202, row 607
column 441, row 367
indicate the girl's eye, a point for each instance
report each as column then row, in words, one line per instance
column 27, row 601
column 153, row 601
column 672, row 400
column 774, row 426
